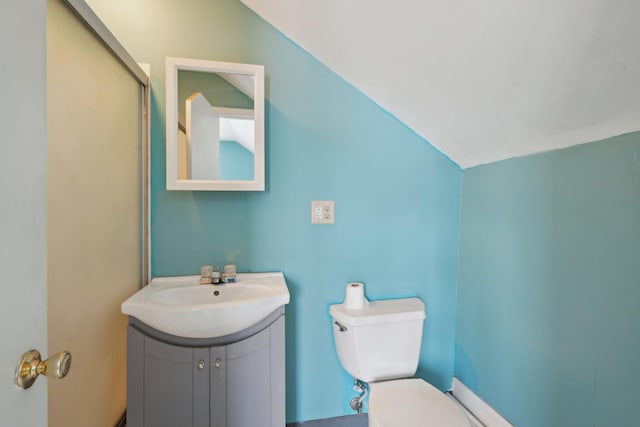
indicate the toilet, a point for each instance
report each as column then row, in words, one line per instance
column 379, row 343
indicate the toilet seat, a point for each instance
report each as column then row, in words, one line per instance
column 412, row 403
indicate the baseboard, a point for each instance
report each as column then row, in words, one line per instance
column 474, row 421
column 360, row 420
column 478, row 407
column 122, row 422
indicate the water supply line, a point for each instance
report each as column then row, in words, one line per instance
column 356, row 402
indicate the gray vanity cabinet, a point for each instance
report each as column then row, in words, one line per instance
column 234, row 382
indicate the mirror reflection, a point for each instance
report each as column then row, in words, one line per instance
column 215, row 119
column 215, row 126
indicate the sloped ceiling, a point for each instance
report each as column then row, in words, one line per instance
column 481, row 80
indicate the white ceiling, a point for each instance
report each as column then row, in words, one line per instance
column 481, row 80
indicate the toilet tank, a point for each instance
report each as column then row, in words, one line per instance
column 380, row 341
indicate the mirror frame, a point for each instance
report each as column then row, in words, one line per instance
column 172, row 66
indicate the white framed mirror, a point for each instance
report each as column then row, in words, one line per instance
column 215, row 125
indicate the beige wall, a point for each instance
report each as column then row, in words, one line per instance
column 94, row 218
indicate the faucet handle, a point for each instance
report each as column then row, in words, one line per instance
column 229, row 274
column 205, row 274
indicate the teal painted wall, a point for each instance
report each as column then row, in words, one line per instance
column 548, row 320
column 397, row 198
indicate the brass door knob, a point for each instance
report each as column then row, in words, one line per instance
column 31, row 365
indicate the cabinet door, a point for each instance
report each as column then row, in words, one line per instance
column 255, row 383
column 176, row 385
column 218, row 369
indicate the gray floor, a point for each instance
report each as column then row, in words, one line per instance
column 346, row 421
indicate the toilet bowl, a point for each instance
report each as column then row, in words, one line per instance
column 379, row 344
column 412, row 402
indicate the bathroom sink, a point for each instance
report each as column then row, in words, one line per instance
column 182, row 307
column 220, row 295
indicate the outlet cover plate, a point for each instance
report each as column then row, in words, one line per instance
column 322, row 211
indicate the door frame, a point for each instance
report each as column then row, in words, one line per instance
column 93, row 22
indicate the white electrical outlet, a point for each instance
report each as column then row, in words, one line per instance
column 322, row 211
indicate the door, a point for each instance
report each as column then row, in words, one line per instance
column 255, row 373
column 168, row 385
column 23, row 253
column 23, row 203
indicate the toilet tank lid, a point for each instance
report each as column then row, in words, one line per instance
column 385, row 311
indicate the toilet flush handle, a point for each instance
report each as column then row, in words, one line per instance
column 340, row 326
